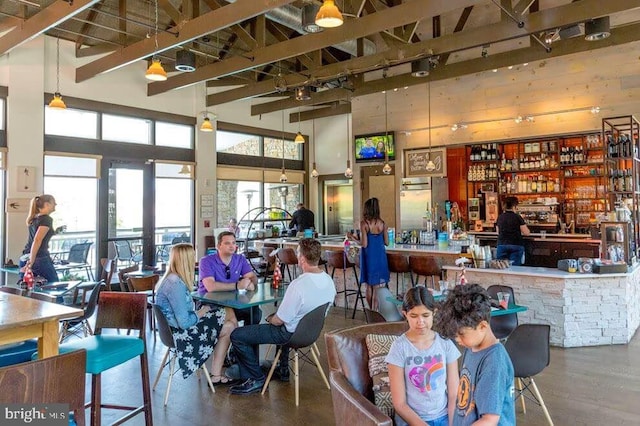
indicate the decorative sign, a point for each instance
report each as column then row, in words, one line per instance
column 26, row 179
column 415, row 162
column 17, row 205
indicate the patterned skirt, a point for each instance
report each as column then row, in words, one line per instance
column 195, row 344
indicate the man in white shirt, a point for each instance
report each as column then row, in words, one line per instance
column 311, row 289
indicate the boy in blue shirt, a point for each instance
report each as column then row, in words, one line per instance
column 485, row 393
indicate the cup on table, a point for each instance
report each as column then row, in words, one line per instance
column 543, row 234
column 503, row 299
column 242, row 290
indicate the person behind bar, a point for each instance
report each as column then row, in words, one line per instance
column 511, row 227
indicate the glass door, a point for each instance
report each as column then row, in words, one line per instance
column 127, row 222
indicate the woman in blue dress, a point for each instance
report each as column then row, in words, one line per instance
column 374, row 270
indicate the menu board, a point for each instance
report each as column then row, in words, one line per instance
column 415, row 162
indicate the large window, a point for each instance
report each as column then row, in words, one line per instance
column 238, row 143
column 174, row 204
column 273, row 149
column 126, row 129
column 174, row 135
column 71, row 122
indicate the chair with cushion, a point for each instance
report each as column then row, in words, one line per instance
column 305, row 336
column 399, row 263
column 108, row 268
column 75, row 326
column 53, row 380
column 426, row 266
column 147, row 286
column 528, row 348
column 122, row 277
column 166, row 337
column 386, row 306
column 104, row 351
column 338, row 260
column 15, row 353
column 503, row 325
column 351, row 383
column 288, row 258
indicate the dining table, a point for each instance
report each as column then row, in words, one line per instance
column 23, row 318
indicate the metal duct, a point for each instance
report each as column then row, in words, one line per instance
column 291, row 17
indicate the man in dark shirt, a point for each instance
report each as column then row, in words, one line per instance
column 511, row 227
column 302, row 219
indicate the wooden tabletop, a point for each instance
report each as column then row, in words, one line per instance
column 18, row 311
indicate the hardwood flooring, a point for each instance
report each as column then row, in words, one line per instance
column 582, row 386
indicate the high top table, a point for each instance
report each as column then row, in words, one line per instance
column 23, row 318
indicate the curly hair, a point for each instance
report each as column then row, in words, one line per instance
column 466, row 306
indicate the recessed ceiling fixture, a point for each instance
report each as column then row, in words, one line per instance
column 185, row 61
column 57, row 102
column 155, row 72
column 597, row 29
column 421, row 67
column 329, row 15
column 309, row 12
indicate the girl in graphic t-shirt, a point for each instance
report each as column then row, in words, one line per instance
column 423, row 367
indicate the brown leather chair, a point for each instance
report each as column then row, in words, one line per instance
column 351, row 385
column 287, row 257
column 399, row 263
column 338, row 260
column 426, row 266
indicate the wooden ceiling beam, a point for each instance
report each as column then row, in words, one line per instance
column 316, row 98
column 522, row 6
column 621, row 35
column 42, row 21
column 330, row 111
column 240, row 31
column 376, row 22
column 208, row 23
column 545, row 19
column 173, row 13
column 91, row 17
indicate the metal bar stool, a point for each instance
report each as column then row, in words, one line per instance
column 426, row 266
column 399, row 263
column 338, row 260
column 287, row 257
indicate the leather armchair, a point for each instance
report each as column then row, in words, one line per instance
column 351, row 385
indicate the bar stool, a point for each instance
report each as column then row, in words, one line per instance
column 338, row 260
column 425, row 266
column 287, row 257
column 399, row 263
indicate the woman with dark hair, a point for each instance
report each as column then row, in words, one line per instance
column 35, row 255
column 374, row 270
column 423, row 366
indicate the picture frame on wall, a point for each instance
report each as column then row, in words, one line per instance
column 415, row 162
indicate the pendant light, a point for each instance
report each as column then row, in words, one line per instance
column 206, row 126
column 155, row 72
column 299, row 138
column 430, row 164
column 283, row 176
column 348, row 173
column 57, row 102
column 329, row 15
column 387, row 168
column 185, row 170
column 314, row 172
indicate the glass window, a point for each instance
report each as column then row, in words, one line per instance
column 70, row 166
column 175, row 135
column 174, row 170
column 282, row 195
column 71, row 122
column 237, row 143
column 273, row 149
column 172, row 224
column 126, row 129
column 235, row 199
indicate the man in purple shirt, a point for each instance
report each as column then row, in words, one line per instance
column 228, row 271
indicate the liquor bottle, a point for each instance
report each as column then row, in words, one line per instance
column 28, row 278
column 277, row 274
column 629, row 181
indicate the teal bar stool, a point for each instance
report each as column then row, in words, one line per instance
column 105, row 351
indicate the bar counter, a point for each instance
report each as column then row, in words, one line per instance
column 582, row 309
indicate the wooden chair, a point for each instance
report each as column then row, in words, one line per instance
column 147, row 286
column 43, row 297
column 104, row 351
column 305, row 336
column 56, row 379
column 166, row 337
column 288, row 258
column 122, row 277
column 426, row 266
column 399, row 263
column 108, row 267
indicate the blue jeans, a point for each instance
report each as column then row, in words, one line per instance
column 244, row 339
column 512, row 252
column 442, row 421
column 42, row 266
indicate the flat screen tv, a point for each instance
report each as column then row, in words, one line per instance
column 371, row 147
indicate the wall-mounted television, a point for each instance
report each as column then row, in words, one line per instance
column 372, row 147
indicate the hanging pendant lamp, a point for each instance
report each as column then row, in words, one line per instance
column 348, row 173
column 386, row 169
column 57, row 102
column 314, row 171
column 299, row 138
column 329, row 15
column 430, row 164
column 156, row 72
column 283, row 176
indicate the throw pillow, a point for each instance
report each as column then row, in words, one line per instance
column 378, row 346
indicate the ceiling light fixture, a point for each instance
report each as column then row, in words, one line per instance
column 458, row 126
column 185, row 61
column 430, row 164
column 299, row 138
column 348, row 173
column 551, row 36
column 57, row 102
column 206, row 126
column 597, row 29
column 595, row 109
column 518, row 119
column 484, row 53
column 329, row 15
column 303, row 93
column 283, row 176
column 309, row 12
column 314, row 171
column 530, row 118
column 421, row 67
column 386, row 169
column 155, row 72
column 185, row 170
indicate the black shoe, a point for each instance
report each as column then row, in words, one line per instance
column 248, row 387
column 281, row 374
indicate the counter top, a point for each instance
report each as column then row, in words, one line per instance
column 329, row 242
column 540, row 272
column 536, row 236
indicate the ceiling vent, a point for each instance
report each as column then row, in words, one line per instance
column 185, row 61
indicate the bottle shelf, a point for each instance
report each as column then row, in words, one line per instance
column 530, row 170
column 584, row 177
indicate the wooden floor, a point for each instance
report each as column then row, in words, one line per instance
column 586, row 386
